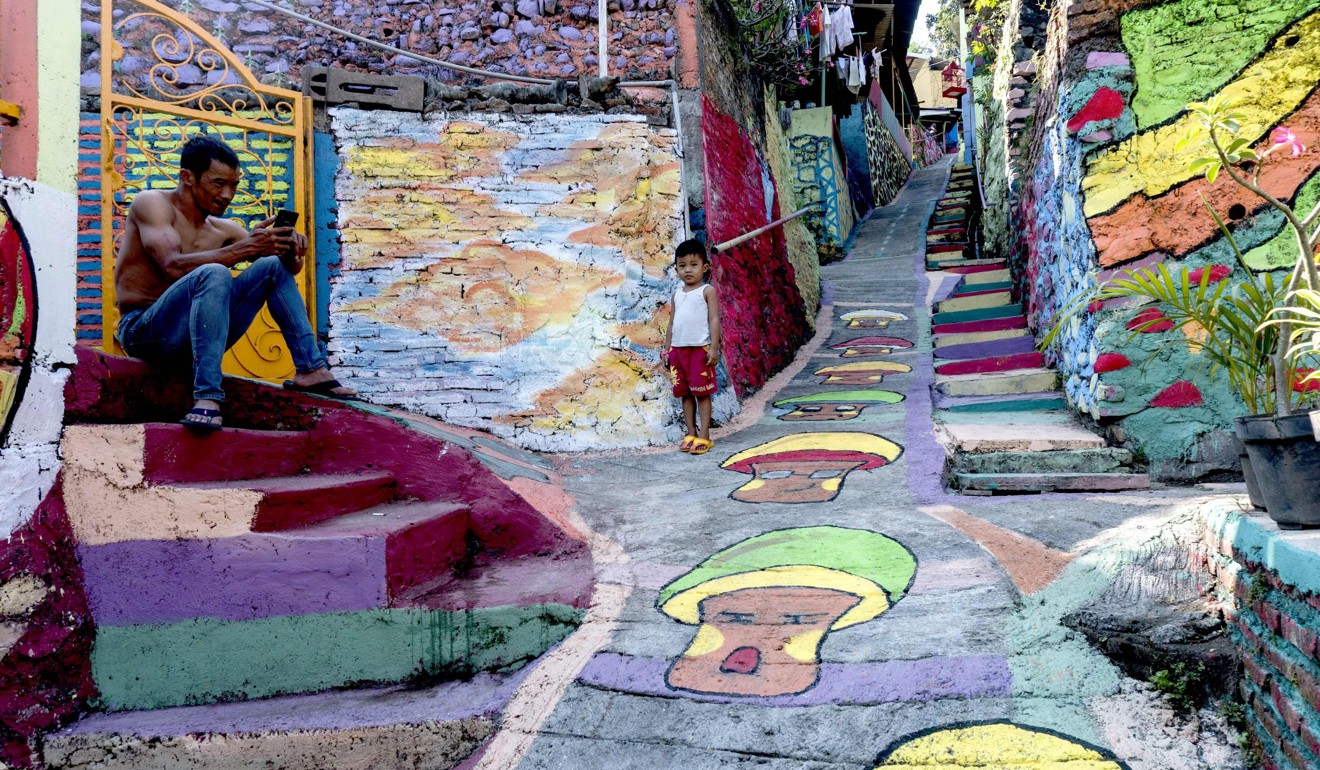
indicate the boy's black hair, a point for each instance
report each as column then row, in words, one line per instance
column 199, row 151
column 691, row 246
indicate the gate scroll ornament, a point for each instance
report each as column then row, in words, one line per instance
column 164, row 79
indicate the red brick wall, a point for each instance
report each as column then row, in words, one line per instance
column 761, row 308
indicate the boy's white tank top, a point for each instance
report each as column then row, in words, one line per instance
column 691, row 322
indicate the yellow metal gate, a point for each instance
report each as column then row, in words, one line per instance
column 164, row 79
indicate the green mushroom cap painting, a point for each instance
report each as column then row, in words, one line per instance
column 764, row 606
column 835, row 405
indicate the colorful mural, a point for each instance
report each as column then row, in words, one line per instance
column 835, row 405
column 861, row 372
column 872, row 319
column 764, row 606
column 870, row 346
column 820, row 176
column 18, row 317
column 807, row 467
column 889, row 167
column 995, row 746
column 1126, row 200
column 499, row 277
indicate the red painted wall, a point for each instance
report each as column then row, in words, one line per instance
column 762, row 312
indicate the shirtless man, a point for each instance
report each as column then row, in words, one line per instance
column 175, row 291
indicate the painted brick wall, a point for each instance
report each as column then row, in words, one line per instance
column 1268, row 584
column 509, row 273
column 1101, row 192
column 540, row 38
column 763, row 317
column 89, row 229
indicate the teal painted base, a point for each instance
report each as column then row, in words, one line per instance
column 960, row 316
column 1037, row 405
column 204, row 660
column 968, row 288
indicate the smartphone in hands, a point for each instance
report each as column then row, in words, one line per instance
column 287, row 218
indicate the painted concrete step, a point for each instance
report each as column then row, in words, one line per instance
column 1097, row 460
column 358, row 561
column 1036, row 435
column 173, row 453
column 296, row 501
column 1051, row 482
column 437, row 726
column 1022, row 381
column 981, row 314
column 975, row 301
column 976, row 290
column 945, row 248
column 1002, row 347
column 995, row 266
column 1009, row 363
column 988, row 276
column 560, row 580
column 1049, row 401
column 948, row 339
column 988, row 325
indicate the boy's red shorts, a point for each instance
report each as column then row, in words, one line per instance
column 690, row 372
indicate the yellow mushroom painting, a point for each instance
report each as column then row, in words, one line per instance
column 764, row 606
column 807, row 467
column 861, row 372
column 994, row 746
column 872, row 319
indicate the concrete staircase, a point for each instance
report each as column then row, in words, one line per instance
column 998, row 408
column 316, row 548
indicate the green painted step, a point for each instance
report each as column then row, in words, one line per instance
column 1026, row 405
column 967, row 288
column 206, row 660
column 1051, row 482
column 1098, row 460
column 983, row 314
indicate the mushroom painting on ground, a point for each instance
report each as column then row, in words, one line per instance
column 807, row 467
column 18, row 312
column 870, row 346
column 834, row 405
column 998, row 745
column 862, row 372
column 872, row 319
column 764, row 606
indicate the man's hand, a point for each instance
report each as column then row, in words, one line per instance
column 267, row 241
column 712, row 355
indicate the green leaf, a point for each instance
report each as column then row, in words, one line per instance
column 1212, row 173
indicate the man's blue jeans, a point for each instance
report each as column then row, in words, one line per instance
column 206, row 311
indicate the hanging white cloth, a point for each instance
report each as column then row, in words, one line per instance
column 854, row 81
column 841, row 24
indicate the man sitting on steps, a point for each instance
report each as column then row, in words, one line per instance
column 176, row 294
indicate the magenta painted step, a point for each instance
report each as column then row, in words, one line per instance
column 994, row 364
column 991, row 325
column 563, row 579
column 969, row 269
column 356, row 562
column 973, row 350
column 296, row 501
column 944, row 248
column 176, row 454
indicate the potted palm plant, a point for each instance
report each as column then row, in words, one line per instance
column 1257, row 331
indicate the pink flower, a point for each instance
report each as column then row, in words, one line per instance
column 802, row 80
column 1284, row 137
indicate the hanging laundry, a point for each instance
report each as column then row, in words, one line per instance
column 827, row 47
column 841, row 27
column 854, row 81
column 816, row 20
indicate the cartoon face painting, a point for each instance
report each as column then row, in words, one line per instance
column 870, row 346
column 17, row 317
column 834, row 406
column 999, row 745
column 764, row 606
column 861, row 372
column 871, row 319
column 807, row 467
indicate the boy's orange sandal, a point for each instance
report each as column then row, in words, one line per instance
column 701, row 446
column 686, row 446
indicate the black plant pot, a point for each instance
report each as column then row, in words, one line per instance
column 1285, row 459
column 1253, row 488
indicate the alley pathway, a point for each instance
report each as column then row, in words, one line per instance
column 806, row 595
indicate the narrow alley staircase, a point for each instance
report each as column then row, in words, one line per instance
column 309, row 546
column 999, row 410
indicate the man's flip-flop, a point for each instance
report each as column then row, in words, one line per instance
column 204, row 420
column 686, row 446
column 701, row 446
column 326, row 389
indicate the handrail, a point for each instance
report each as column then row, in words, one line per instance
column 717, row 248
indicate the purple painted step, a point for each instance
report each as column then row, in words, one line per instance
column 994, row 364
column 971, row 350
column 985, row 267
column 174, row 454
column 518, row 582
column 296, row 501
column 356, row 562
column 992, row 325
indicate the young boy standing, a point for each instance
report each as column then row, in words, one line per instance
column 693, row 340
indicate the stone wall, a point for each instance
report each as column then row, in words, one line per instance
column 509, row 273
column 1102, row 191
column 1268, row 583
